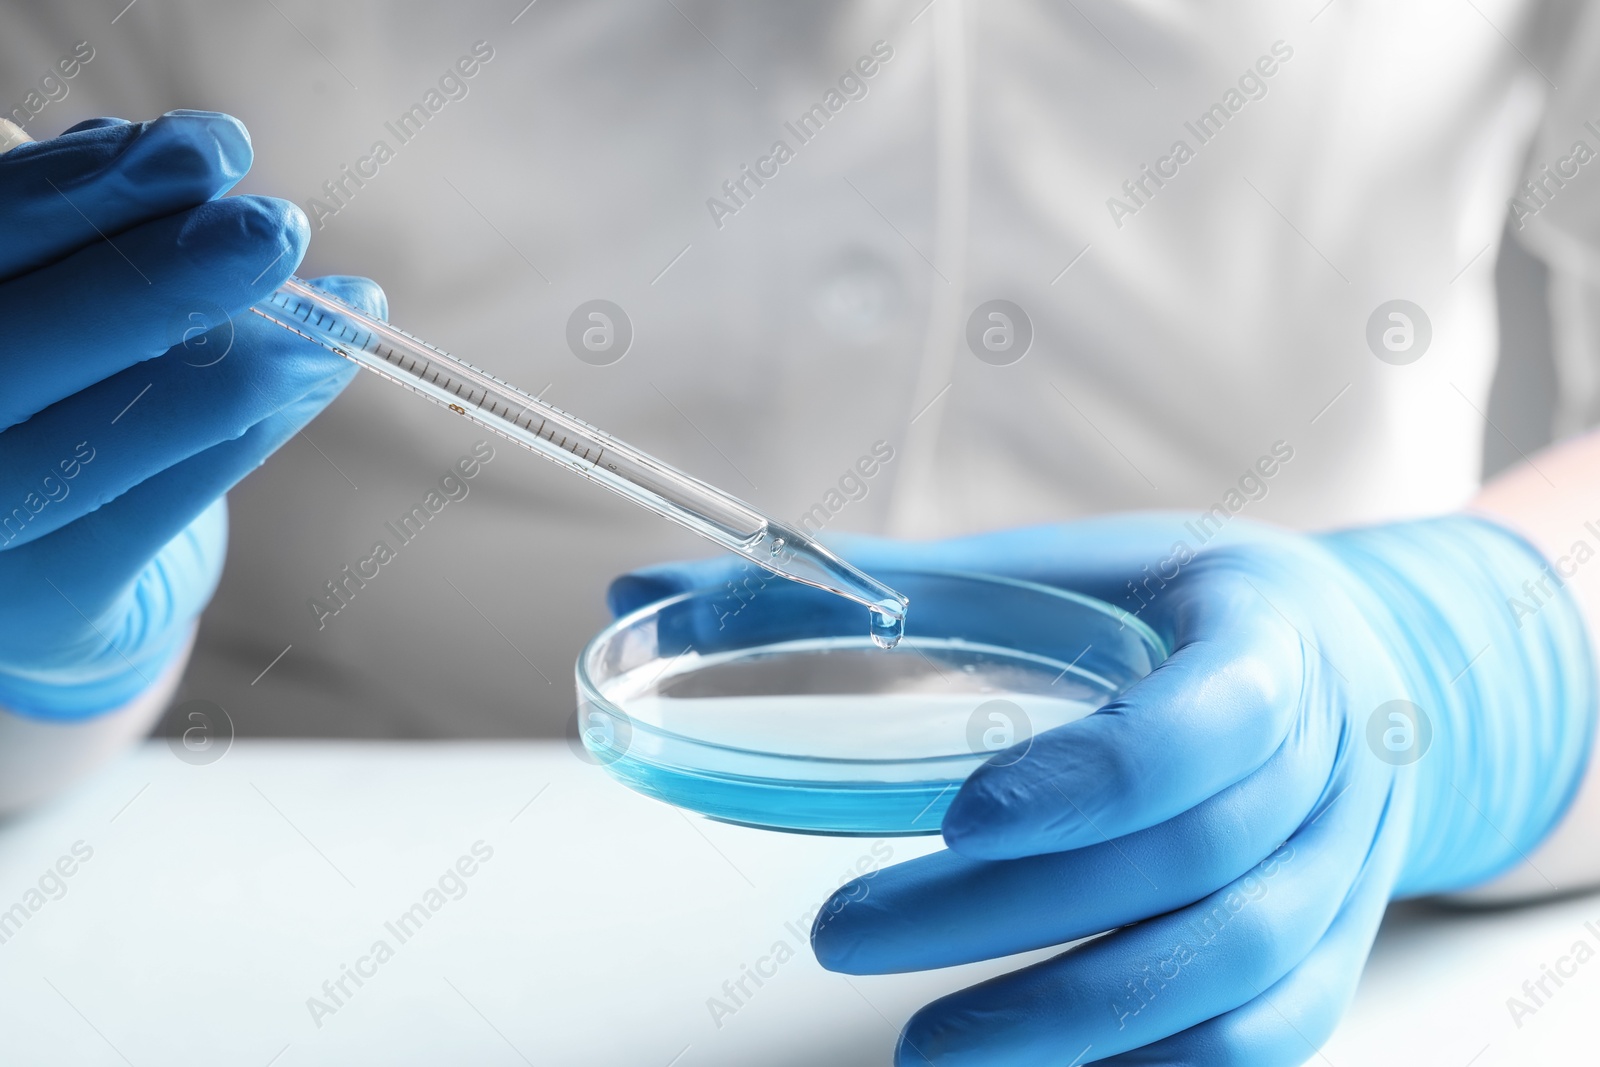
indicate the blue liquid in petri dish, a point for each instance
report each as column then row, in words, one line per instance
column 795, row 720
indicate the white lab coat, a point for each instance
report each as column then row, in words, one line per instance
column 1182, row 328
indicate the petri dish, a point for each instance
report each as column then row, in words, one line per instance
column 770, row 705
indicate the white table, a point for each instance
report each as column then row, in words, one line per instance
column 219, row 898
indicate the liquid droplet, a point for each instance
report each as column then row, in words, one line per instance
column 777, row 545
column 886, row 629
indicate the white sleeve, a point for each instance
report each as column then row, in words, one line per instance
column 40, row 757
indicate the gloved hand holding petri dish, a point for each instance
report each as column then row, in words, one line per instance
column 1234, row 817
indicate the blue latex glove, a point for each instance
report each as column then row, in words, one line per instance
column 122, row 420
column 1241, row 817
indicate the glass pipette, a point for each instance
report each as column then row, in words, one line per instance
column 506, row 410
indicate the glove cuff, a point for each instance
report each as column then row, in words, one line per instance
column 52, row 699
column 1496, row 658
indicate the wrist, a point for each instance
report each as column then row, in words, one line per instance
column 1509, row 694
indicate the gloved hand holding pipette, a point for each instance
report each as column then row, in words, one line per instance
column 1346, row 719
column 124, row 420
column 135, row 214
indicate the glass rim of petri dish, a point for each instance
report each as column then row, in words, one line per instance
column 998, row 639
